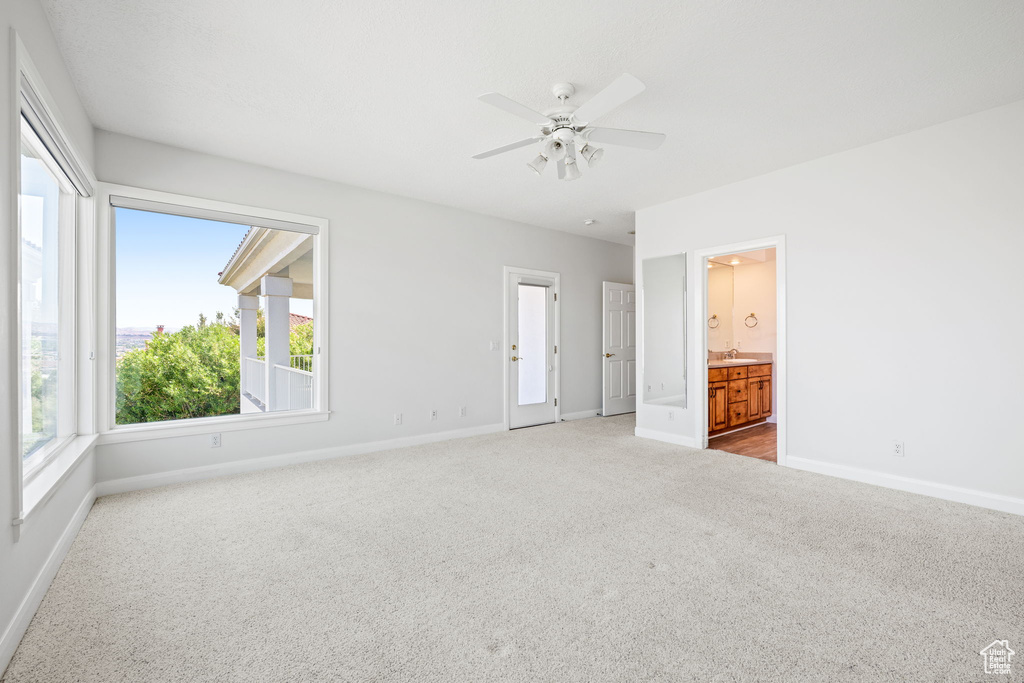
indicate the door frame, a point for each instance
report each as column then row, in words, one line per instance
column 699, row 321
column 506, row 273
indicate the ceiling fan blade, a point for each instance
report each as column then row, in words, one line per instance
column 621, row 90
column 561, row 169
column 627, row 138
column 512, row 107
column 508, row 148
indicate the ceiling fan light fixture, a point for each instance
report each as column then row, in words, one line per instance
column 591, row 154
column 554, row 149
column 567, row 128
column 572, row 171
column 538, row 164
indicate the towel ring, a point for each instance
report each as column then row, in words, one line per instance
column 714, row 322
column 746, row 321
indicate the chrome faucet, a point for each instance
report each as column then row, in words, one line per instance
column 731, row 354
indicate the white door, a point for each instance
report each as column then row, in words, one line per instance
column 619, row 355
column 533, row 376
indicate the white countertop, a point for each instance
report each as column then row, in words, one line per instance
column 737, row 364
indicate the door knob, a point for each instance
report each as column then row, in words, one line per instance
column 608, row 355
column 515, row 358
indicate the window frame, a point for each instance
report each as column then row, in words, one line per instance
column 184, row 205
column 67, row 216
column 30, row 99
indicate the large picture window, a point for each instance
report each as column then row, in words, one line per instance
column 46, row 225
column 213, row 317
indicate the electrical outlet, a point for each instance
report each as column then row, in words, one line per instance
column 648, row 388
column 671, row 415
column 663, row 386
column 462, row 411
column 214, row 440
column 433, row 414
column 494, row 346
column 398, row 419
column 899, row 449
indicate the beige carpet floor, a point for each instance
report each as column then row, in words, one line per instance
column 571, row 552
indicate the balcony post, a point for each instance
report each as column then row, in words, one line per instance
column 248, row 307
column 276, row 292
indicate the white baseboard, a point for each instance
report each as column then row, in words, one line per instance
column 667, row 437
column 992, row 501
column 14, row 632
column 148, row 481
column 581, row 415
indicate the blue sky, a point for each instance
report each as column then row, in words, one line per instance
column 167, row 269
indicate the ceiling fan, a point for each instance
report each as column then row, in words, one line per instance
column 566, row 129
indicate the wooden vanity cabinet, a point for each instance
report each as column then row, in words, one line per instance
column 718, row 405
column 738, row 396
column 759, row 397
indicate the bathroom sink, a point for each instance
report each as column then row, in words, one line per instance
column 737, row 360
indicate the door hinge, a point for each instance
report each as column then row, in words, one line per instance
column 556, row 296
column 556, row 348
column 556, row 402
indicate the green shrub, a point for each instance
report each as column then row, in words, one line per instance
column 190, row 373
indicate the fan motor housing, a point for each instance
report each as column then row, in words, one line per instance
column 564, row 134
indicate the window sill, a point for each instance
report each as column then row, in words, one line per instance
column 206, row 425
column 46, row 481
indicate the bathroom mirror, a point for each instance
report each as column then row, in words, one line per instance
column 664, row 314
column 720, row 305
column 741, row 304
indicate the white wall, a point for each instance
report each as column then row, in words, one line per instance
column 22, row 560
column 754, row 292
column 903, row 294
column 416, row 297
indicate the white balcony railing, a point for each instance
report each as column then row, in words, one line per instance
column 294, row 388
column 254, row 379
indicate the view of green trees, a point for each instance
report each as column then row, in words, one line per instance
column 193, row 372
column 43, row 369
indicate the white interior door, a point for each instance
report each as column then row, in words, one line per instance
column 533, row 376
column 619, row 355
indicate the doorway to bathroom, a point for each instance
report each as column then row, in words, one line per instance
column 743, row 349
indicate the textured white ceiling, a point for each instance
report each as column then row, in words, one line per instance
column 383, row 94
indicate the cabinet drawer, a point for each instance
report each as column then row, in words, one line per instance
column 738, row 414
column 737, row 373
column 737, row 390
column 718, row 374
column 759, row 370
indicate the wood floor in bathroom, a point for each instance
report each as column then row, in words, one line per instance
column 756, row 442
